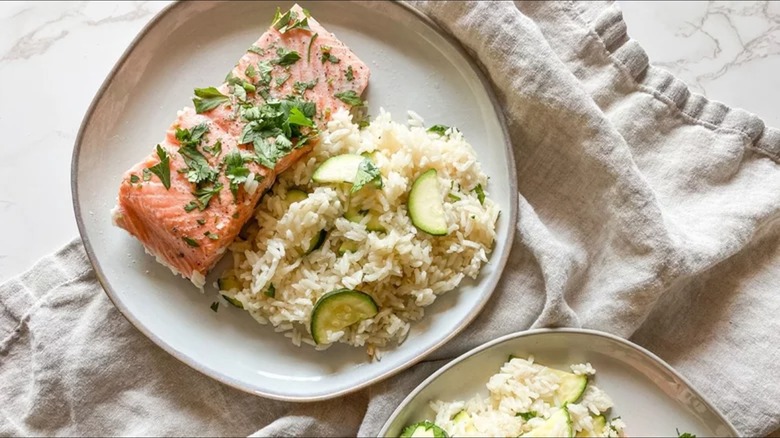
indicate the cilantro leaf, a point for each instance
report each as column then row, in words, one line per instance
column 192, row 205
column 349, row 97
column 206, row 99
column 192, row 136
column 438, row 129
column 282, row 79
column 269, row 153
column 204, row 195
column 290, row 21
column 254, row 49
column 286, row 56
column 235, row 170
column 163, row 168
column 250, row 71
column 327, row 56
column 134, row 178
column 198, row 169
column 215, row 149
column 264, row 69
column 298, row 118
column 301, row 87
column 480, row 193
column 367, row 172
column 350, row 74
column 191, row 242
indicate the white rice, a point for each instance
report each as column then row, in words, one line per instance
column 522, row 387
column 403, row 269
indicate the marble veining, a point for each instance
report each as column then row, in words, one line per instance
column 55, row 55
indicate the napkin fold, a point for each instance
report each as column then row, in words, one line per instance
column 645, row 210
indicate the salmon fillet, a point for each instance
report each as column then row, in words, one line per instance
column 187, row 201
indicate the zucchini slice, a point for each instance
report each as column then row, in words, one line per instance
column 463, row 418
column 295, row 195
column 558, row 425
column 424, row 429
column 317, row 241
column 347, row 246
column 229, row 282
column 426, row 207
column 339, row 169
column 339, row 309
column 571, row 387
column 599, row 424
column 353, row 214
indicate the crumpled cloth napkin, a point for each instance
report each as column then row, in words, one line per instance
column 645, row 211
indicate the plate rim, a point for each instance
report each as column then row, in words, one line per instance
column 217, row 375
column 543, row 331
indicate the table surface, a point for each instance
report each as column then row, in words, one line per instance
column 54, row 56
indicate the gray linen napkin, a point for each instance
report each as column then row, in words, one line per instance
column 645, row 211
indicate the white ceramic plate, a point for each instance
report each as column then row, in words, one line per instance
column 193, row 44
column 649, row 395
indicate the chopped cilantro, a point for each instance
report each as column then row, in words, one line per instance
column 250, row 71
column 254, row 49
column 134, row 178
column 206, row 99
column 204, row 195
column 327, row 56
column 298, row 118
column 286, row 56
column 271, row 291
column 201, row 221
column 268, row 153
column 480, row 193
column 527, row 415
column 289, row 20
column 264, row 69
column 350, row 74
column 215, row 149
column 438, row 129
column 301, row 87
column 349, row 97
column 147, row 175
column 282, row 79
column 214, row 306
column 235, row 170
column 191, row 206
column 190, row 242
column 192, row 136
column 311, row 43
column 163, row 168
column 211, row 235
column 367, row 172
column 198, row 169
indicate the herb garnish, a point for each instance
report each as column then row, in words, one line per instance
column 264, row 68
column 206, row 99
column 191, row 206
column 235, row 170
column 204, row 195
column 327, row 56
column 350, row 74
column 211, row 235
column 254, row 49
column 271, row 291
column 366, row 173
column 163, row 168
column 215, row 149
column 290, row 21
column 271, row 127
column 134, row 178
column 480, row 194
column 147, row 175
column 250, row 71
column 311, row 43
column 286, row 57
column 438, row 129
column 190, row 242
column 349, row 97
column 301, row 87
column 214, row 306
column 198, row 169
column 201, row 221
column 527, row 415
column 282, row 79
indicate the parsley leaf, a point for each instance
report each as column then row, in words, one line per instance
column 134, row 179
column 163, row 168
column 311, row 43
column 214, row 306
column 301, row 87
column 211, row 235
column 480, row 193
column 438, row 129
column 286, row 56
column 349, row 97
column 298, row 118
column 204, row 195
column 254, row 49
column 269, row 153
column 206, row 99
column 198, row 169
column 264, row 69
column 327, row 56
column 192, row 136
column 235, row 170
column 191, row 242
column 527, row 415
column 271, row 291
column 367, row 172
column 290, row 21
column 350, row 74
column 215, row 149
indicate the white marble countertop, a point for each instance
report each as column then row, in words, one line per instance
column 54, row 56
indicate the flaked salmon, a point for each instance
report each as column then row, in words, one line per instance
column 188, row 200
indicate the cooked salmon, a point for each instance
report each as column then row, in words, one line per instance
column 188, row 200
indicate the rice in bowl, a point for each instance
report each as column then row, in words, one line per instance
column 278, row 278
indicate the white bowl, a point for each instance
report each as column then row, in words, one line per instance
column 193, row 44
